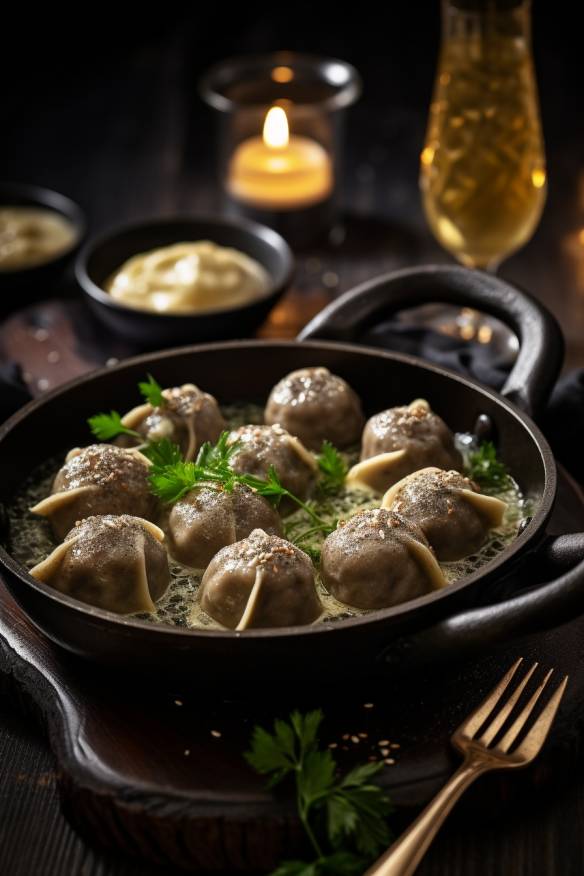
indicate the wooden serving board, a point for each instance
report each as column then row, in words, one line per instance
column 160, row 773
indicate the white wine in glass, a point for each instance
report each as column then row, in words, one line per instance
column 483, row 177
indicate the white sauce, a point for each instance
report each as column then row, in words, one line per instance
column 187, row 278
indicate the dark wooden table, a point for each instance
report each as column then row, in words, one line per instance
column 121, row 130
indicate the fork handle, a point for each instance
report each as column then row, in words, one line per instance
column 403, row 857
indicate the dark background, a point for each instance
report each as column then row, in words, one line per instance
column 101, row 104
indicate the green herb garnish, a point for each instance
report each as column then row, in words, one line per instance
column 152, row 392
column 108, row 426
column 487, row 470
column 333, row 468
column 344, row 817
column 171, row 479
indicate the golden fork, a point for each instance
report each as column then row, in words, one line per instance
column 480, row 756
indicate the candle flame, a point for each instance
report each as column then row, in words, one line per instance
column 538, row 177
column 275, row 131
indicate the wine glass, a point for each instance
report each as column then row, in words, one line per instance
column 482, row 168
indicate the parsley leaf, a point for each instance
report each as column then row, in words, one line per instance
column 352, row 808
column 152, row 392
column 162, row 453
column 171, row 478
column 333, row 468
column 108, row 426
column 487, row 470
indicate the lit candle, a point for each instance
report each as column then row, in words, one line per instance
column 279, row 171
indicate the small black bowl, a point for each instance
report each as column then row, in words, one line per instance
column 102, row 256
column 23, row 286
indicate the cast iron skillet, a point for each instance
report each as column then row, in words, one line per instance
column 247, row 370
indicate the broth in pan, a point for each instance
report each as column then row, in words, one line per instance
column 297, row 513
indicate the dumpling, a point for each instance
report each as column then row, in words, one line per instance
column 377, row 559
column 453, row 516
column 207, row 519
column 261, row 581
column 401, row 440
column 264, row 446
column 115, row 562
column 315, row 405
column 99, row 479
column 189, row 417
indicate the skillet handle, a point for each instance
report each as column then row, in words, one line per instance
column 539, row 608
column 541, row 350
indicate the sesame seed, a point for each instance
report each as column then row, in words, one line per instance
column 383, row 742
column 345, row 736
column 333, row 745
column 385, row 752
column 216, row 734
column 368, row 705
column 394, row 745
column 355, row 739
column 363, row 735
column 178, row 702
column 187, row 752
column 389, row 761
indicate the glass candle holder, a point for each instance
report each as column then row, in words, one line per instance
column 280, row 138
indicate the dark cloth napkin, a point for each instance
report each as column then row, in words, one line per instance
column 563, row 421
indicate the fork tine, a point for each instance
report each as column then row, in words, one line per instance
column 502, row 715
column 480, row 714
column 531, row 745
column 515, row 729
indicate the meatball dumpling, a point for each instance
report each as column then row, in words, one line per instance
column 114, row 562
column 260, row 447
column 315, row 405
column 260, row 581
column 189, row 417
column 95, row 480
column 377, row 559
column 453, row 516
column 401, row 440
column 207, row 519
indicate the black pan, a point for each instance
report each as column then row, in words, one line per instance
column 476, row 609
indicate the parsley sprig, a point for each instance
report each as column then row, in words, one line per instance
column 152, row 392
column 333, row 469
column 171, row 477
column 108, row 426
column 487, row 470
column 350, row 810
column 105, row 427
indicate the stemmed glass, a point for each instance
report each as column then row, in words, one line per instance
column 482, row 169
